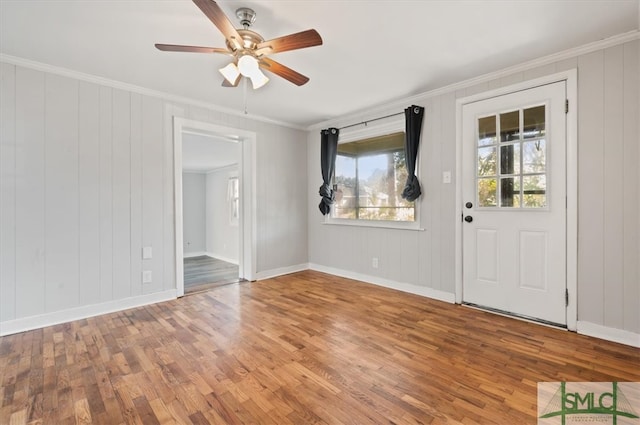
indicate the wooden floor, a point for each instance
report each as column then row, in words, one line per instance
column 204, row 272
column 306, row 348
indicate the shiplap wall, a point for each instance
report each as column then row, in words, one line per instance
column 87, row 181
column 194, row 212
column 608, row 191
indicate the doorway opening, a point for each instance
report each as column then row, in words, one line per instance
column 213, row 205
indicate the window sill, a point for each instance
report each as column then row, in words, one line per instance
column 413, row 226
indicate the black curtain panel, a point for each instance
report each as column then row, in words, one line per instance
column 413, row 125
column 328, row 151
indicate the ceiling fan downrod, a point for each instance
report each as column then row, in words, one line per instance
column 247, row 16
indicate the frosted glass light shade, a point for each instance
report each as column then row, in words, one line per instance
column 258, row 79
column 230, row 73
column 247, row 65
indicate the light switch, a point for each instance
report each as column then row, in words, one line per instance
column 446, row 177
column 147, row 253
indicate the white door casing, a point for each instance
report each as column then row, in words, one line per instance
column 247, row 245
column 514, row 251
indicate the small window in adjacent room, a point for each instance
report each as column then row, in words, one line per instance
column 370, row 175
column 233, row 196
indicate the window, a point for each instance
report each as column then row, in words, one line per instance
column 233, row 196
column 369, row 178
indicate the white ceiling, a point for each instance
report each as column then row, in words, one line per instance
column 374, row 51
column 206, row 153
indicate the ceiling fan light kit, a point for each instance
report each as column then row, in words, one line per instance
column 248, row 49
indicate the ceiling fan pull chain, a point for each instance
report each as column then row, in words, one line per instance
column 244, row 94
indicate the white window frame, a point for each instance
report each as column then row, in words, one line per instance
column 368, row 131
column 522, row 174
column 233, row 200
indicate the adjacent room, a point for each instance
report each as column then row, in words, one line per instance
column 385, row 212
column 210, row 210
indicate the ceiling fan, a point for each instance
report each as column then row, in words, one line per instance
column 248, row 49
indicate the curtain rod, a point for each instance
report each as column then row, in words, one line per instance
column 372, row 120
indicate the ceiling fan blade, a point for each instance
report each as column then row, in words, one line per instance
column 191, row 49
column 211, row 9
column 299, row 40
column 283, row 71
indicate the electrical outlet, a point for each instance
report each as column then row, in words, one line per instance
column 446, row 177
column 147, row 253
column 374, row 262
column 146, row 276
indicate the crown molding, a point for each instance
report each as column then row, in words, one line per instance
column 64, row 72
column 545, row 60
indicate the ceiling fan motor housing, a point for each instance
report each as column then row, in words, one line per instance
column 250, row 40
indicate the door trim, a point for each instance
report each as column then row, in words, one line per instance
column 247, row 245
column 570, row 77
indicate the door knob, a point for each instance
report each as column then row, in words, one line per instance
column 468, row 219
column 468, row 205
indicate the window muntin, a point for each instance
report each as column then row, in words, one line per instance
column 369, row 178
column 511, row 159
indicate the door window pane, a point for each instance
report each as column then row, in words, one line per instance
column 534, row 191
column 510, row 192
column 487, row 131
column 487, row 192
column 534, row 122
column 510, row 126
column 487, row 161
column 534, row 157
column 510, row 159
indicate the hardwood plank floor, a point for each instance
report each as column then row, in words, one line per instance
column 306, row 348
column 203, row 272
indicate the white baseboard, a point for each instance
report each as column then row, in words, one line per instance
column 610, row 334
column 194, row 254
column 400, row 286
column 268, row 274
column 222, row 257
column 48, row 319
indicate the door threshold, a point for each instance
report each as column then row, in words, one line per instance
column 515, row 316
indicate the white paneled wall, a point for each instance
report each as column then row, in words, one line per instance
column 60, row 193
column 608, row 191
column 30, row 193
column 89, row 208
column 8, row 188
column 87, row 182
column 194, row 213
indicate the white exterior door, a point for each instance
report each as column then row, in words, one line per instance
column 514, row 203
